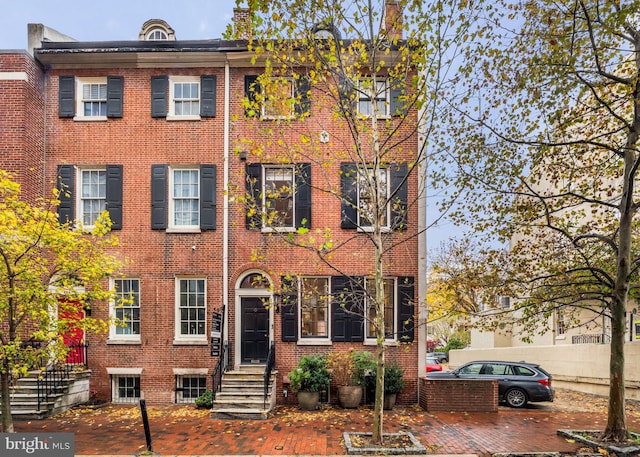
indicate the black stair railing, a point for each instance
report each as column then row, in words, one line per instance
column 271, row 361
column 54, row 376
column 220, row 369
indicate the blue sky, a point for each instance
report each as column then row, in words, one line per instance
column 91, row 20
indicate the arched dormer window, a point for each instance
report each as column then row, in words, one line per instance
column 156, row 30
column 156, row 34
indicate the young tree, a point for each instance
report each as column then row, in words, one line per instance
column 48, row 274
column 547, row 160
column 348, row 56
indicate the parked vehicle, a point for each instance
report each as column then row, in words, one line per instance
column 433, row 365
column 441, row 356
column 518, row 382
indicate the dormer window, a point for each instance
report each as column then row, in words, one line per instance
column 156, row 30
column 156, row 34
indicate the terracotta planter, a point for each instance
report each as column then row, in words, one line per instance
column 349, row 396
column 308, row 401
column 389, row 401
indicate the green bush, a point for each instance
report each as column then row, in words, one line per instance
column 205, row 400
column 310, row 375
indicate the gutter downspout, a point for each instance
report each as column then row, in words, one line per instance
column 225, row 216
column 423, row 312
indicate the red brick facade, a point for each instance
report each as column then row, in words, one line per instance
column 38, row 140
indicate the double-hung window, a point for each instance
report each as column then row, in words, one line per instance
column 185, row 198
column 126, row 310
column 372, row 309
column 191, row 310
column 278, row 197
column 370, row 209
column 314, row 307
column 372, row 93
column 93, row 195
column 184, row 97
column 278, row 99
column 93, row 102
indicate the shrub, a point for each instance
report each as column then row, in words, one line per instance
column 311, row 374
column 205, row 400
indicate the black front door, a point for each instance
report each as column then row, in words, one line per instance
column 255, row 330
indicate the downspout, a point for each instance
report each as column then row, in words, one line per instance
column 225, row 216
column 423, row 312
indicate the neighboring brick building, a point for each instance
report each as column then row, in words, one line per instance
column 150, row 131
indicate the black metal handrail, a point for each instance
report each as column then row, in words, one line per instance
column 53, row 376
column 271, row 361
column 219, row 370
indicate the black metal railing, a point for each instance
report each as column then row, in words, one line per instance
column 271, row 361
column 591, row 339
column 220, row 369
column 54, row 375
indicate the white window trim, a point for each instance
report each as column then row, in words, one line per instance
column 171, row 115
column 78, row 195
column 369, row 228
column 291, row 115
column 113, row 335
column 387, row 102
column 269, row 229
column 114, row 387
column 186, row 373
column 180, row 339
column 171, row 227
column 314, row 340
column 387, row 341
column 80, row 102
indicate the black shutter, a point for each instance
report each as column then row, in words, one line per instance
column 159, row 86
column 254, row 196
column 397, row 90
column 303, row 195
column 347, row 318
column 251, row 88
column 114, row 195
column 399, row 196
column 405, row 300
column 66, row 96
column 66, row 189
column 159, row 197
column 208, row 197
column 208, row 85
column 289, row 309
column 303, row 102
column 115, row 96
column 349, row 194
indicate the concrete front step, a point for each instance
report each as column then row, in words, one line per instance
column 242, row 394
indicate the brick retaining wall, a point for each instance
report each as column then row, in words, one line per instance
column 458, row 395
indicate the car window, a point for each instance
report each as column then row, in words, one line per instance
column 523, row 371
column 473, row 368
column 497, row 369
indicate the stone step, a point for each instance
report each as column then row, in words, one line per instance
column 240, row 413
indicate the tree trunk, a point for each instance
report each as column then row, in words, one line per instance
column 616, row 428
column 7, row 420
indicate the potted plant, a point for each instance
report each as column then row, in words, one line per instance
column 393, row 384
column 308, row 379
column 348, row 371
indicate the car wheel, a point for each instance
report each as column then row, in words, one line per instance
column 516, row 398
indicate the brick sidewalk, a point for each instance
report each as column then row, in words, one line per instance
column 184, row 430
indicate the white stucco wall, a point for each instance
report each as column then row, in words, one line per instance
column 581, row 367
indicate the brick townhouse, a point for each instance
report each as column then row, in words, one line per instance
column 154, row 130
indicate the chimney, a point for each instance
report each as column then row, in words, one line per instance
column 242, row 23
column 393, row 20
